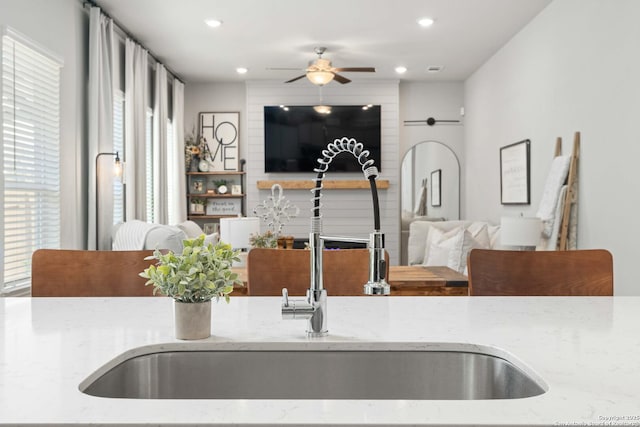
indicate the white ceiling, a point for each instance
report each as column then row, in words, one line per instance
column 258, row 34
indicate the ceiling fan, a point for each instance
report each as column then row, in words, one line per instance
column 320, row 72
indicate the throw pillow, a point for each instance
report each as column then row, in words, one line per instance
column 451, row 248
column 480, row 232
column 458, row 256
column 440, row 244
column 190, row 229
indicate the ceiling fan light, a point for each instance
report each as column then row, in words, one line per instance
column 322, row 109
column 320, row 77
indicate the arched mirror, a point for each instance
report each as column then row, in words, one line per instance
column 430, row 186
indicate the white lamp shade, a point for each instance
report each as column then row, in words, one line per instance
column 237, row 231
column 520, row 231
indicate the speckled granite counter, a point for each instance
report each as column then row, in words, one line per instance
column 586, row 350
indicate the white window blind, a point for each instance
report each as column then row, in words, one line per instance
column 30, row 157
column 149, row 165
column 118, row 147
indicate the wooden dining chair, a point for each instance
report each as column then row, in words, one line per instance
column 345, row 271
column 533, row 273
column 77, row 273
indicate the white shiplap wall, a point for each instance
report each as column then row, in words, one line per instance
column 345, row 212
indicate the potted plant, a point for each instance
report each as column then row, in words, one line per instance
column 264, row 240
column 198, row 205
column 193, row 278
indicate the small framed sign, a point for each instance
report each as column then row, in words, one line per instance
column 198, row 185
column 514, row 174
column 229, row 207
column 236, row 190
column 210, row 228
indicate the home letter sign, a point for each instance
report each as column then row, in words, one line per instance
column 221, row 132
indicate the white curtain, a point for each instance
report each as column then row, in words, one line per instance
column 136, row 99
column 160, row 117
column 178, row 205
column 100, row 111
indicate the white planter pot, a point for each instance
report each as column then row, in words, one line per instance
column 192, row 320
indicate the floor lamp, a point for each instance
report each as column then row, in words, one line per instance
column 117, row 172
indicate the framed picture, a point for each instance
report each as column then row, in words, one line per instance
column 236, row 190
column 198, row 185
column 436, row 176
column 210, row 228
column 514, row 174
column 229, row 207
column 221, row 132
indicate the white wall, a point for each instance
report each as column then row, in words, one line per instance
column 62, row 27
column 345, row 212
column 575, row 67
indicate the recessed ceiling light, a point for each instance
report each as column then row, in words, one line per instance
column 242, row 70
column 401, row 70
column 426, row 22
column 213, row 23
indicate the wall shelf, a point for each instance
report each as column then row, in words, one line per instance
column 309, row 184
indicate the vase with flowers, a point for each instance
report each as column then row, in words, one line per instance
column 193, row 278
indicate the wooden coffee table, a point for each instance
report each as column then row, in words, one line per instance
column 404, row 281
column 416, row 280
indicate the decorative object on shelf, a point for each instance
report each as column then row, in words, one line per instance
column 193, row 278
column 198, row 185
column 221, row 130
column 264, row 240
column 203, row 165
column 196, row 153
column 228, row 207
column 276, row 210
column 198, row 206
column 436, row 186
column 221, row 186
column 514, row 174
column 236, row 190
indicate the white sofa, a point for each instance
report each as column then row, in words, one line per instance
column 447, row 243
column 137, row 235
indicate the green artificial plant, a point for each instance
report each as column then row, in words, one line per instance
column 201, row 273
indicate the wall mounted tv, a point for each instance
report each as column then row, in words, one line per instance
column 295, row 137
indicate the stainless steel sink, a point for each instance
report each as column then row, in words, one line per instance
column 314, row 374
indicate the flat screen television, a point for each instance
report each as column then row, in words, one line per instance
column 295, row 137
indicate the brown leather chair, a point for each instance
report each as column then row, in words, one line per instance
column 77, row 273
column 345, row 271
column 533, row 273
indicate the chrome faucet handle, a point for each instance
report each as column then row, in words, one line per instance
column 285, row 297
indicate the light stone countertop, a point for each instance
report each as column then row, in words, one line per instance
column 585, row 349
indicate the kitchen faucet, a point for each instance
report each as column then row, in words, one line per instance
column 314, row 307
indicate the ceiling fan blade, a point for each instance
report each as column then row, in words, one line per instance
column 356, row 69
column 283, row 69
column 295, row 78
column 340, row 79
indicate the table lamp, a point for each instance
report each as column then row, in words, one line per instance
column 521, row 232
column 237, row 232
